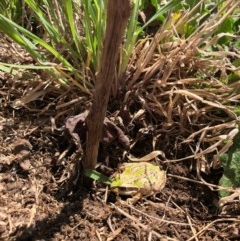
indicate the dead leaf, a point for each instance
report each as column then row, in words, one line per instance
column 25, row 164
column 76, row 127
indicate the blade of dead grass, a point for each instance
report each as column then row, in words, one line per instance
column 193, row 108
column 199, row 233
column 119, row 210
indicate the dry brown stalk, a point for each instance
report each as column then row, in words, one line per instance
column 118, row 13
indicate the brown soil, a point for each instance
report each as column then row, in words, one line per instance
column 34, row 206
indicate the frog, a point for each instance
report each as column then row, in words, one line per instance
column 137, row 180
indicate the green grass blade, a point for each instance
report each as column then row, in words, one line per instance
column 132, row 33
column 7, row 69
column 10, row 28
column 52, row 31
column 74, row 32
column 26, row 66
column 169, row 6
column 97, row 176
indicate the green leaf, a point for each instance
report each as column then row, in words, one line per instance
column 225, row 27
column 231, row 166
column 97, row 176
column 191, row 3
column 169, row 6
column 236, row 62
column 233, row 77
column 154, row 3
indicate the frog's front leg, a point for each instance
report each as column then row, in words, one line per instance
column 134, row 199
column 130, row 200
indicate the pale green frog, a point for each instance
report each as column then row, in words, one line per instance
column 138, row 179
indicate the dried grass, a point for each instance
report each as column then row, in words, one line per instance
column 176, row 81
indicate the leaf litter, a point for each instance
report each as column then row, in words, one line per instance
column 187, row 118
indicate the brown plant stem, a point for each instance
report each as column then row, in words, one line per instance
column 118, row 13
